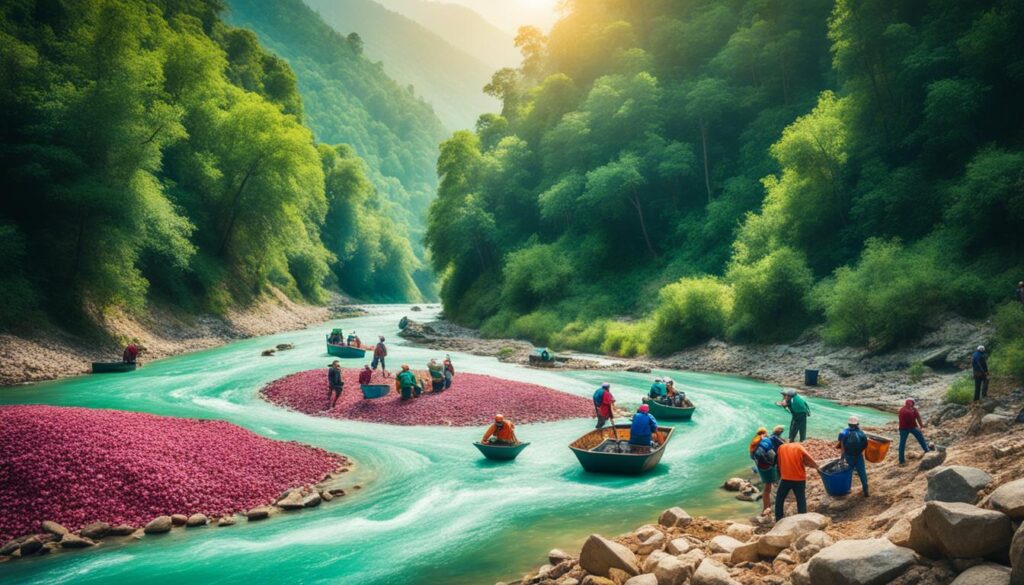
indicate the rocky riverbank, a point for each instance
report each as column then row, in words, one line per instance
column 953, row 516
column 105, row 475
column 856, row 376
column 48, row 353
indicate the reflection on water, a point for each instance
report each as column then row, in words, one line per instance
column 432, row 510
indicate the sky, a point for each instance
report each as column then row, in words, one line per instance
column 509, row 15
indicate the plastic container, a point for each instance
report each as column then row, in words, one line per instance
column 810, row 377
column 878, row 447
column 837, row 477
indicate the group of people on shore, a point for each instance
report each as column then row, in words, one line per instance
column 784, row 463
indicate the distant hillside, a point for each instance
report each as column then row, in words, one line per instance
column 448, row 78
column 463, row 27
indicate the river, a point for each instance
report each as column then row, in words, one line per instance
column 432, row 510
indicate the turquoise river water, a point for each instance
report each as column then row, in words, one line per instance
column 431, row 510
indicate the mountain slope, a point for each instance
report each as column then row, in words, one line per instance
column 463, row 27
column 449, row 79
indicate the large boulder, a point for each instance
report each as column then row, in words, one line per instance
column 800, row 575
column 965, row 531
column 673, row 571
column 995, row 423
column 723, row 544
column 786, row 531
column 956, row 483
column 158, row 525
column 260, row 513
column 1017, row 557
column 873, row 561
column 911, row 532
column 600, row 554
column 674, row 517
column 1009, row 499
column 984, row 574
column 711, row 572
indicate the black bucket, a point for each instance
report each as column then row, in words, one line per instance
column 810, row 377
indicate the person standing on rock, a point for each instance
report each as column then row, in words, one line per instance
column 853, row 442
column 379, row 353
column 335, row 384
column 980, row 367
column 793, row 461
column 763, row 452
column 603, row 403
column 800, row 410
column 910, row 424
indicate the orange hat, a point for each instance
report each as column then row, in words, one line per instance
column 499, row 418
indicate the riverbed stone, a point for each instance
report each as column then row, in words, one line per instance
column 291, row 500
column 70, row 540
column 995, row 423
column 984, row 574
column 11, row 545
column 741, row 532
column 95, row 531
column 179, row 519
column 54, row 528
column 734, row 484
column 226, row 521
column 674, row 517
column 965, row 531
column 645, row 579
column 801, row 575
column 932, row 459
column 652, row 561
column 711, row 572
column 678, row 546
column 786, row 531
column 312, row 500
column 956, row 483
column 871, row 561
column 912, row 532
column 196, row 520
column 158, row 525
column 260, row 513
column 745, row 553
column 121, row 530
column 1009, row 499
column 1017, row 557
column 723, row 544
column 653, row 541
column 600, row 554
column 30, row 546
column 557, row 555
column 673, row 571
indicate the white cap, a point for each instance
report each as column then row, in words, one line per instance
column 853, row 420
column 981, row 348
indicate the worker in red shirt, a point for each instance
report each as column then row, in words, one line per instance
column 911, row 424
column 603, row 402
column 793, row 463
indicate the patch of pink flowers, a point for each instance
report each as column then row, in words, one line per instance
column 473, row 399
column 76, row 466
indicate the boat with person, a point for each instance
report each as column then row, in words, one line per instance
column 608, row 450
column 667, row 412
column 344, row 351
column 500, row 452
column 371, row 391
column 113, row 367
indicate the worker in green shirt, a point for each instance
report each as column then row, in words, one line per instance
column 800, row 410
column 406, row 381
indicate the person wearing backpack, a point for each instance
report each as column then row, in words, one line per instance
column 763, row 452
column 853, row 442
column 603, row 401
column 798, row 407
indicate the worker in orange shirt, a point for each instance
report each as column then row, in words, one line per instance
column 793, row 463
column 502, row 432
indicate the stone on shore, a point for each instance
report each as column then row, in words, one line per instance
column 600, row 554
column 70, row 540
column 652, row 561
column 711, row 572
column 95, row 531
column 556, row 556
column 723, row 544
column 674, row 517
column 1009, row 499
column 54, row 528
column 932, row 459
column 745, row 553
column 673, row 571
column 965, row 531
column 787, row 530
column 226, row 521
column 912, row 532
column 196, row 520
column 956, row 483
column 985, row 574
column 30, row 546
column 1017, row 557
column 678, row 546
column 801, row 575
column 741, row 532
column 995, row 423
column 179, row 519
column 10, row 546
column 734, row 484
column 292, row 500
column 645, row 579
column 312, row 500
column 261, row 513
column 873, row 561
column 121, row 530
column 158, row 525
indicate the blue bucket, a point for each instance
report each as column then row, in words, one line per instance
column 837, row 477
column 810, row 377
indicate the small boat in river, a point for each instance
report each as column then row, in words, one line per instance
column 608, row 451
column 667, row 412
column 113, row 367
column 371, row 391
column 345, row 351
column 500, row 452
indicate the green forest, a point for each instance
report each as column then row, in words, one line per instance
column 666, row 172
column 152, row 151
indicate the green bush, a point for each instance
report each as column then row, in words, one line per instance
column 771, row 296
column 915, row 372
column 690, row 311
column 626, row 339
column 534, row 275
column 1009, row 322
column 582, row 336
column 961, row 391
column 1008, row 353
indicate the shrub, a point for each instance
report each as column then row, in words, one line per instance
column 961, row 391
column 535, row 274
column 915, row 372
column 506, row 352
column 1008, row 353
column 690, row 311
column 626, row 339
column 771, row 296
column 582, row 336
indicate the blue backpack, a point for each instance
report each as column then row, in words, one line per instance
column 854, row 442
column 764, row 455
column 598, row 396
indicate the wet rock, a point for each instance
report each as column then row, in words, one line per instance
column 158, row 525
column 70, row 540
column 1009, row 499
column 226, row 521
column 873, row 561
column 95, row 531
column 711, row 572
column 326, row 496
column 911, row 532
column 261, row 513
column 54, row 528
column 179, row 519
column 11, row 545
column 723, row 544
column 284, row 346
column 985, row 574
column 196, row 520
column 600, row 554
column 337, row 492
column 674, row 517
column 312, row 500
column 293, row 500
column 30, row 546
column 49, row 547
column 121, row 530
column 734, row 484
column 786, row 531
column 965, row 531
column 956, row 483
column 932, row 459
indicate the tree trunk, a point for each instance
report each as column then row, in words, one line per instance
column 635, row 200
column 707, row 166
column 234, row 206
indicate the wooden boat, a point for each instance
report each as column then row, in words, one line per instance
column 501, row 452
column 345, row 351
column 112, row 367
column 667, row 412
column 371, row 391
column 601, row 451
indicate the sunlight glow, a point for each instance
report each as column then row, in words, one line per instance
column 534, row 4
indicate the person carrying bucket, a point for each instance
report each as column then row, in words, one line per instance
column 793, row 463
column 852, row 442
column 911, row 424
column 798, row 407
